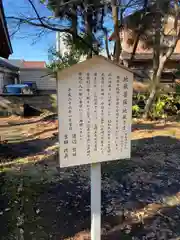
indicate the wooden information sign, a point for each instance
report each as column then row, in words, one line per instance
column 94, row 109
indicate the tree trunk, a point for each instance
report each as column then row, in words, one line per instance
column 74, row 23
column 158, row 65
column 105, row 34
column 156, row 81
column 150, row 101
column 88, row 27
column 89, row 33
column 140, row 31
column 115, row 13
column 106, row 43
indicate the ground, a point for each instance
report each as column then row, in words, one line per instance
column 39, row 201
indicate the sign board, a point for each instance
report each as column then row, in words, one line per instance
column 94, row 107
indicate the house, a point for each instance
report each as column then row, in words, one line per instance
column 8, row 72
column 5, row 43
column 35, row 71
column 143, row 60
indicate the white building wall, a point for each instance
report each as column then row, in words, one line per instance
column 42, row 78
column 62, row 48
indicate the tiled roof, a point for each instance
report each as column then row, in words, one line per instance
column 34, row 64
column 23, row 64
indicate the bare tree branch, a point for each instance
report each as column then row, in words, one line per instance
column 43, row 22
column 35, row 22
column 65, row 4
column 17, row 28
column 36, row 12
column 52, row 28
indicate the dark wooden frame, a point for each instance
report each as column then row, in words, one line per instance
column 5, row 43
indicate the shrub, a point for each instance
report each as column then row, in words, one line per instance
column 136, row 111
column 53, row 100
column 158, row 109
column 177, row 86
column 165, row 105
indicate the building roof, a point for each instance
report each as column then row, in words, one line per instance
column 146, row 56
column 5, row 43
column 8, row 65
column 22, row 64
column 34, row 64
column 16, row 62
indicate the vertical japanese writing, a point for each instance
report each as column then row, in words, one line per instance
column 109, row 112
column 95, row 111
column 70, row 108
column 80, row 100
column 94, row 103
column 74, row 143
column 66, row 153
column 117, row 110
column 124, row 111
column 65, row 139
column 102, row 112
column 66, row 148
column 88, row 114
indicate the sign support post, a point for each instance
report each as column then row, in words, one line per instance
column 96, row 201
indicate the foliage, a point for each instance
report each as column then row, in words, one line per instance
column 75, row 44
column 72, row 56
column 75, row 51
column 151, row 25
column 86, row 20
column 158, row 109
column 177, row 88
column 53, row 99
column 139, row 99
column 65, row 60
column 136, row 111
column 166, row 105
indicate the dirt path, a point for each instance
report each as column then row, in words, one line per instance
column 140, row 197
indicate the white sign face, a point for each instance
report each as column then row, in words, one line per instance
column 95, row 115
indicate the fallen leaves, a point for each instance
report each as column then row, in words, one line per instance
column 80, row 236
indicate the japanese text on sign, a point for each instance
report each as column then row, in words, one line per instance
column 96, row 122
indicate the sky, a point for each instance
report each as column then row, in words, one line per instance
column 25, row 43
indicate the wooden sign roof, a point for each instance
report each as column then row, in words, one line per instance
column 88, row 64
